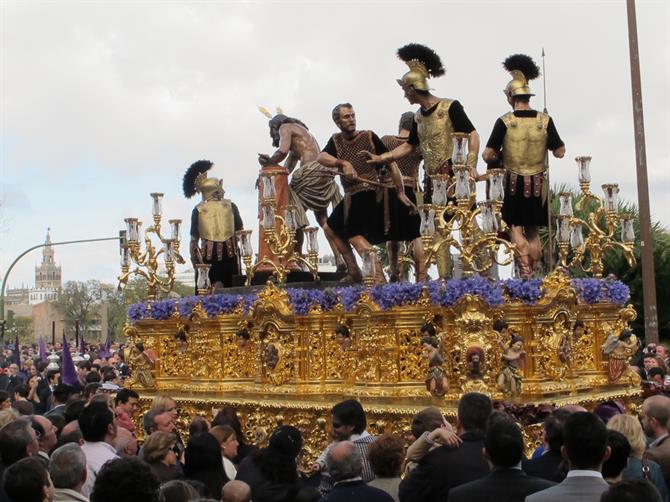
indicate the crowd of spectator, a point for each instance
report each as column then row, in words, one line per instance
column 79, row 443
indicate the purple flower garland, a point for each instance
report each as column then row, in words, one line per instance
column 388, row 296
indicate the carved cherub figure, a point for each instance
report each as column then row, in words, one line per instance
column 510, row 379
column 436, row 378
column 619, row 349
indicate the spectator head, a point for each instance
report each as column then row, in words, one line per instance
column 203, row 462
column 631, row 490
column 159, row 447
column 656, row 375
column 75, row 405
column 164, row 422
column 90, row 389
column 386, row 455
column 104, row 398
column 654, row 415
column 125, row 480
column 344, row 461
column 348, row 418
column 236, row 491
column 93, row 377
column 24, row 408
column 149, row 422
column 28, row 481
column 5, row 402
column 228, row 416
column 71, row 433
column 8, row 415
column 127, row 400
column 177, row 491
column 53, row 377
column 125, row 443
column 58, row 422
column 20, row 391
column 661, row 351
column 197, row 425
column 630, row 427
column 606, row 410
column 650, row 361
column 553, row 429
column 62, row 393
column 109, row 375
column 474, row 410
column 427, row 420
column 585, row 438
column 286, row 441
column 17, row 440
column 227, row 439
column 97, row 423
column 619, row 452
column 45, row 431
column 83, row 367
column 503, row 443
column 165, row 404
column 67, row 467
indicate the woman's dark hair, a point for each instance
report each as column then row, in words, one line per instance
column 277, row 462
column 386, row 455
column 228, row 416
column 203, row 462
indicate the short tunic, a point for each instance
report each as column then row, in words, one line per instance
column 518, row 209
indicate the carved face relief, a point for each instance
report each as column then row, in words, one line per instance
column 271, row 356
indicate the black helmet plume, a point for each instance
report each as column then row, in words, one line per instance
column 524, row 64
column 196, row 169
column 426, row 55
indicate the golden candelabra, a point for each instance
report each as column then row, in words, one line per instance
column 442, row 220
column 601, row 224
column 146, row 261
column 279, row 235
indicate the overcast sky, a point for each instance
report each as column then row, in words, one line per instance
column 104, row 102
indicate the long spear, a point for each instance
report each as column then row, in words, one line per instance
column 550, row 238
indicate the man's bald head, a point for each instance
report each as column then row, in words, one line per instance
column 125, row 443
column 655, row 416
column 344, row 461
column 236, row 491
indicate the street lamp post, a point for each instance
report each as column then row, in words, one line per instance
column 16, row 260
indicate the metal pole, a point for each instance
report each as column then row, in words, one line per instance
column 9, row 269
column 646, row 242
column 550, row 237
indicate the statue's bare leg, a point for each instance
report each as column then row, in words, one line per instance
column 361, row 245
column 522, row 251
column 419, row 260
column 321, row 219
column 534, row 245
column 393, row 247
column 353, row 272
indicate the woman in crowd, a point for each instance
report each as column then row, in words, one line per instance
column 272, row 472
column 228, row 416
column 227, row 439
column 203, row 463
column 386, row 456
column 159, row 453
column 639, row 466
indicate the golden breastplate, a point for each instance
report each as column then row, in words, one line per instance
column 215, row 220
column 525, row 143
column 435, row 137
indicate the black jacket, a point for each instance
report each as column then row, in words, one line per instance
column 549, row 466
column 502, row 485
column 445, row 468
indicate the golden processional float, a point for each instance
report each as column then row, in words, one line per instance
column 272, row 351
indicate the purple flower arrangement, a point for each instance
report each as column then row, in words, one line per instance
column 528, row 291
column 388, row 296
column 592, row 290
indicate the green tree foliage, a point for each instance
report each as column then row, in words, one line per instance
column 615, row 263
column 80, row 301
column 18, row 325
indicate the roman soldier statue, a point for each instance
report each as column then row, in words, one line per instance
column 519, row 142
column 434, row 123
column 214, row 222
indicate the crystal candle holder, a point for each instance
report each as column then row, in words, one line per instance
column 268, row 185
column 440, row 186
column 368, row 269
column 565, row 202
column 583, row 163
column 489, row 221
column 244, row 238
column 289, row 218
column 496, row 184
column 132, row 230
column 563, row 229
column 427, row 215
column 627, row 229
column 459, row 154
column 157, row 205
column 267, row 217
column 312, row 241
column 462, row 177
column 203, row 283
column 175, row 227
column 576, row 236
column 611, row 191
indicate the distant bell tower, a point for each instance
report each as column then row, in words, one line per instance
column 47, row 276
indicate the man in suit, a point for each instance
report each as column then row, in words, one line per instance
column 585, row 449
column 654, row 417
column 344, row 464
column 550, row 464
column 445, row 468
column 503, row 450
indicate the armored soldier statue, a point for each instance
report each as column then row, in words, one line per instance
column 519, row 141
column 213, row 225
column 409, row 169
column 370, row 213
column 312, row 187
column 434, row 123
